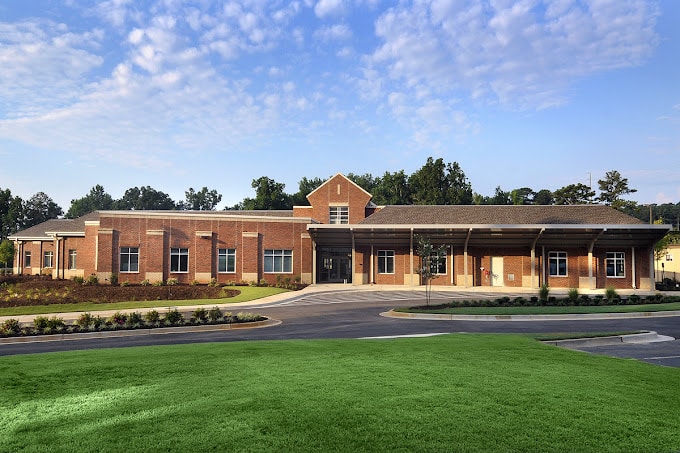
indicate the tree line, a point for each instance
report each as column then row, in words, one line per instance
column 435, row 183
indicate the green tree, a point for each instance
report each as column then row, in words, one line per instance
column 40, row 208
column 428, row 184
column 96, row 200
column 144, row 198
column 365, row 181
column 521, row 196
column 431, row 257
column 392, row 189
column 11, row 213
column 544, row 197
column 269, row 194
column 612, row 187
column 459, row 189
column 574, row 194
column 7, row 252
column 203, row 200
column 305, row 187
column 501, row 197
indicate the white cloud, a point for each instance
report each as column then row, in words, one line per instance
column 337, row 32
column 325, row 8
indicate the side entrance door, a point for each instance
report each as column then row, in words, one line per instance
column 496, row 271
column 334, row 265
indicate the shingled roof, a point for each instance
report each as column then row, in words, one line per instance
column 500, row 215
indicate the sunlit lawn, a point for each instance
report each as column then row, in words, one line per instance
column 471, row 393
column 247, row 294
column 547, row 310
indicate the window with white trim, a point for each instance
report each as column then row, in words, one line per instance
column 338, row 215
column 72, row 259
column 27, row 259
column 129, row 259
column 438, row 263
column 386, row 261
column 226, row 260
column 616, row 264
column 278, row 261
column 48, row 259
column 179, row 260
column 557, row 264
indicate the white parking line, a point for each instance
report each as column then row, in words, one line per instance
column 662, row 358
column 415, row 335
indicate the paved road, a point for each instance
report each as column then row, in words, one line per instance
column 356, row 314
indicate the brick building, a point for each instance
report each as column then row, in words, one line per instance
column 343, row 237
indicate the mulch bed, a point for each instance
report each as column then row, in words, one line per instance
column 22, row 291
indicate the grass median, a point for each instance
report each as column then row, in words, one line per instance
column 447, row 393
column 248, row 293
column 544, row 310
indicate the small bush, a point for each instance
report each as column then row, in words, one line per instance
column 118, row 319
column 215, row 314
column 78, row 280
column 194, row 283
column 10, row 327
column 92, row 280
column 573, row 295
column 55, row 323
column 158, row 283
column 84, row 320
column 634, row 299
column 173, row 317
column 171, row 281
column 40, row 322
column 200, row 314
column 610, row 293
column 114, row 279
column 134, row 319
column 213, row 283
column 145, row 282
column 125, row 283
column 152, row 316
column 544, row 292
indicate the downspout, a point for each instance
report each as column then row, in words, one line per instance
column 411, row 254
column 543, row 279
column 372, row 279
column 533, row 259
column 465, row 258
column 633, row 266
column 354, row 255
column 56, row 257
column 591, row 283
column 313, row 262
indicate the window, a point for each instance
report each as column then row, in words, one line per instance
column 72, row 259
column 278, row 261
column 616, row 264
column 438, row 263
column 27, row 259
column 226, row 260
column 129, row 259
column 557, row 262
column 386, row 261
column 48, row 259
column 339, row 214
column 179, row 260
column 669, row 257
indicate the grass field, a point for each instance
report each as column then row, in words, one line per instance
column 449, row 393
column 247, row 294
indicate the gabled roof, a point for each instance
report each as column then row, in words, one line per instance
column 328, row 181
column 500, row 215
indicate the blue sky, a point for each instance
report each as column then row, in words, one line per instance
column 176, row 94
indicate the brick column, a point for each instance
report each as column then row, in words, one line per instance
column 250, row 256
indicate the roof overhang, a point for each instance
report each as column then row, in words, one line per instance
column 563, row 235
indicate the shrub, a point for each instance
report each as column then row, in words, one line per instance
column 78, row 280
column 543, row 292
column 247, row 317
column 634, row 299
column 158, row 283
column 610, row 293
column 145, row 282
column 200, row 314
column 215, row 314
column 134, row 319
column 171, row 281
column 92, row 280
column 125, row 283
column 173, row 317
column 55, row 323
column 152, row 316
column 118, row 319
column 573, row 295
column 213, row 282
column 519, row 301
column 114, row 279
column 10, row 327
column 40, row 322
column 84, row 320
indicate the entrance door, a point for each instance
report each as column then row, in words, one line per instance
column 334, row 265
column 496, row 271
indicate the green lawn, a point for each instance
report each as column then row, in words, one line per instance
column 549, row 310
column 449, row 393
column 247, row 294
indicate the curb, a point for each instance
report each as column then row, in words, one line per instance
column 566, row 317
column 138, row 332
column 646, row 337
